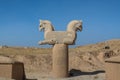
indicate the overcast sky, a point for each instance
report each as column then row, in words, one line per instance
column 19, row 20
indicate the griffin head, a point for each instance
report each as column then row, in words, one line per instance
column 78, row 25
column 75, row 25
column 44, row 24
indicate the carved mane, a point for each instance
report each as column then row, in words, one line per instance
column 46, row 26
column 74, row 26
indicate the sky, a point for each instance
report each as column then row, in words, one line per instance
column 19, row 20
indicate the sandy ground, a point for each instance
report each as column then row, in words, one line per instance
column 85, row 62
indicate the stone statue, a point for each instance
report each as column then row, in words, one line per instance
column 60, row 41
column 54, row 37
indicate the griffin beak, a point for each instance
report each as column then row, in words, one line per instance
column 41, row 28
column 80, row 27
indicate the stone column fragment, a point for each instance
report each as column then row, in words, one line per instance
column 112, row 68
column 60, row 60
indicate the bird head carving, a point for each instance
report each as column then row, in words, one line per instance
column 79, row 26
column 74, row 26
column 45, row 25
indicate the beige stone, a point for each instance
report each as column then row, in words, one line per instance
column 112, row 67
column 60, row 37
column 56, row 38
column 4, row 59
column 60, row 60
column 12, row 70
column 60, row 40
column 74, row 26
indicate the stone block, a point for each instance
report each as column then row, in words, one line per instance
column 12, row 70
column 61, row 37
column 112, row 68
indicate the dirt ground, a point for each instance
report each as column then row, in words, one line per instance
column 85, row 62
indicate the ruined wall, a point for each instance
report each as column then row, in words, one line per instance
column 12, row 71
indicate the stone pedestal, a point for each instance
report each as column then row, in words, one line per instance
column 12, row 70
column 60, row 61
column 112, row 67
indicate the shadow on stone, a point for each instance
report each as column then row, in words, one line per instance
column 75, row 72
column 12, row 70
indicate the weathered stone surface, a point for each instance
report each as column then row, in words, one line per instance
column 112, row 67
column 60, row 37
column 60, row 60
column 4, row 59
column 1, row 78
column 12, row 70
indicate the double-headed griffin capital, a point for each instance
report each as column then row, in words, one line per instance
column 60, row 37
